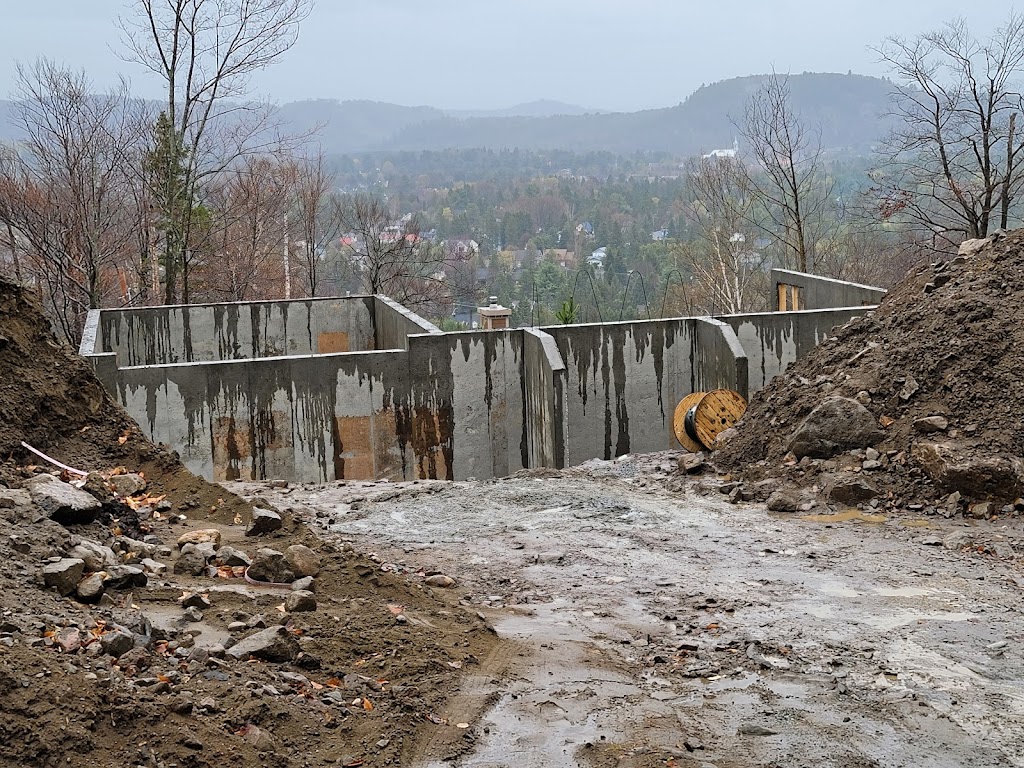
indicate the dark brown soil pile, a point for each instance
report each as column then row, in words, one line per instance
column 939, row 366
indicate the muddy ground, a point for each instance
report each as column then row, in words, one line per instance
column 650, row 622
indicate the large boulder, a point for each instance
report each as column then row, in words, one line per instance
column 96, row 556
column 303, row 560
column 64, row 574
column 952, row 468
column 62, row 502
column 264, row 521
column 852, row 491
column 838, row 424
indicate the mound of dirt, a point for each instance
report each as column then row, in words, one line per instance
column 938, row 366
column 123, row 643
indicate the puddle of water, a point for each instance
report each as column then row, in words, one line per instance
column 918, row 523
column 903, row 619
column 850, row 515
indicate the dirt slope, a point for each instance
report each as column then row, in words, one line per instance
column 947, row 342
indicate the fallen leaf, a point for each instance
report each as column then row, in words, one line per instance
column 333, row 682
column 395, row 608
column 886, row 421
column 122, row 440
column 367, row 705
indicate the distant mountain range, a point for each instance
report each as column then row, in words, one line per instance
column 848, row 109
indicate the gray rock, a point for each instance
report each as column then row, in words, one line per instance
column 95, row 555
column 90, row 589
column 750, row 729
column 303, row 560
column 233, row 557
column 271, row 565
column 128, row 484
column 692, row 463
column 272, row 644
column 193, row 614
column 65, row 574
column 837, row 425
column 299, row 601
column 141, row 548
column 439, row 580
column 958, row 540
column 787, row 500
column 264, row 521
column 196, row 600
column 11, row 498
column 307, row 583
column 928, row 424
column 973, row 247
column 190, row 564
column 117, row 643
column 952, row 468
column 909, row 389
column 62, row 502
column 124, row 577
column 852, row 491
column 154, row 567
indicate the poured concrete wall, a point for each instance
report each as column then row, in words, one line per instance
column 623, row 381
column 204, row 333
column 360, row 388
column 772, row 341
column 825, row 292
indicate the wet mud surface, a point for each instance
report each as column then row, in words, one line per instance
column 649, row 625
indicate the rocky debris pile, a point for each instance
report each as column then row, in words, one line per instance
column 917, row 405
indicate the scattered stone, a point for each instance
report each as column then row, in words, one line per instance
column 124, row 577
column 62, row 502
column 90, row 589
column 547, row 558
column 264, row 521
column 692, row 463
column 928, row 424
column 271, row 566
column 982, row 510
column 871, row 454
column 193, row 614
column 69, row 640
column 154, row 567
column 190, row 564
column 909, row 389
column 275, row 644
column 973, row 247
column 952, row 469
column 128, row 484
column 852, row 491
column 837, row 425
column 195, row 600
column 260, row 740
column 863, row 397
column 142, row 549
column 95, row 556
column 307, row 583
column 64, row 575
column 117, row 643
column 233, row 557
column 303, row 560
column 439, row 580
column 958, row 540
column 201, row 536
column 299, row 601
column 786, row 500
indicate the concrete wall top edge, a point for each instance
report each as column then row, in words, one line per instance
column 426, row 325
column 860, row 308
column 806, row 276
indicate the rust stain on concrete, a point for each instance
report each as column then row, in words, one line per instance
column 331, row 342
column 231, row 451
column 353, row 448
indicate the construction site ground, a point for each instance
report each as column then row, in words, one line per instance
column 648, row 621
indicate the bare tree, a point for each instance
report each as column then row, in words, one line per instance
column 954, row 163
column 788, row 177
column 68, row 200
column 392, row 257
column 206, row 52
column 317, row 215
column 727, row 267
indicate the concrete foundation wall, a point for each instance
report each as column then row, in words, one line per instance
column 360, row 388
column 162, row 335
column 772, row 341
column 393, row 324
column 824, row 292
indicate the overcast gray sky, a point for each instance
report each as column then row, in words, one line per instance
column 611, row 54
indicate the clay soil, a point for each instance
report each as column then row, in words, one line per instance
column 380, row 655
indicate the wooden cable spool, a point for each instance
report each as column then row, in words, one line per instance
column 701, row 417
